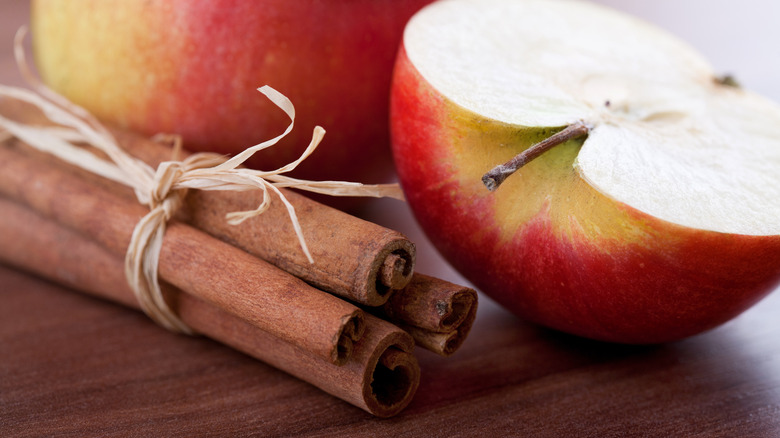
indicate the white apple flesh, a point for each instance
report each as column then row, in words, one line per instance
column 662, row 222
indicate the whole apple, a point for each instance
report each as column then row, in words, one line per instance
column 661, row 222
column 193, row 67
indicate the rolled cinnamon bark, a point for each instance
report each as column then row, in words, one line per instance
column 443, row 344
column 355, row 259
column 438, row 314
column 432, row 303
column 380, row 377
column 191, row 260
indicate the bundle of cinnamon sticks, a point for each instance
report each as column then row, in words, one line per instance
column 347, row 323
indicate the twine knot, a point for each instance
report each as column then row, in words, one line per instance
column 167, row 175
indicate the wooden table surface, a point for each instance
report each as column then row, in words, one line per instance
column 71, row 365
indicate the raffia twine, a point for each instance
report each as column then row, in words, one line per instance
column 163, row 189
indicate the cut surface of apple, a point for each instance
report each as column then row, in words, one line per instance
column 668, row 138
column 661, row 222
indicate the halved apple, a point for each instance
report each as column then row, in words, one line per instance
column 662, row 221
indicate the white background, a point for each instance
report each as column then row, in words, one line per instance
column 738, row 37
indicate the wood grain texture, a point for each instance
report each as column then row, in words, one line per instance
column 75, row 366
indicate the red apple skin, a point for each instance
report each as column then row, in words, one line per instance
column 551, row 248
column 192, row 68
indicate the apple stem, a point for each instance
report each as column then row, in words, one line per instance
column 493, row 178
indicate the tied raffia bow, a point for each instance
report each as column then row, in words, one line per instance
column 163, row 189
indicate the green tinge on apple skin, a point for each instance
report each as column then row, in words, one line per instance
column 550, row 247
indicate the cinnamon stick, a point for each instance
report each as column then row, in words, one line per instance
column 443, row 344
column 432, row 303
column 381, row 376
column 191, row 260
column 355, row 259
column 438, row 314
